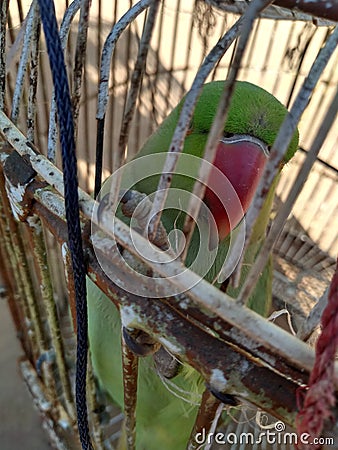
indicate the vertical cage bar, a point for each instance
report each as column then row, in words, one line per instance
column 3, row 22
column 206, row 415
column 38, row 244
column 33, row 78
column 130, row 374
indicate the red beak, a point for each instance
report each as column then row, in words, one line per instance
column 236, row 172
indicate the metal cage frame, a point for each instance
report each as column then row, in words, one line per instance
column 265, row 362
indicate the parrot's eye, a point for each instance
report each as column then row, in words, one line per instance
column 228, row 135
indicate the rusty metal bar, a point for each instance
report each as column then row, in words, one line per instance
column 215, row 360
column 111, row 131
column 108, row 49
column 130, row 375
column 32, row 310
column 94, row 423
column 55, row 421
column 42, row 271
column 215, row 355
column 3, row 21
column 12, row 284
column 33, row 77
column 29, row 34
column 318, row 12
column 27, row 274
column 209, row 299
column 206, row 356
column 205, row 417
column 64, row 32
column 80, row 53
column 108, row 52
column 186, row 114
column 172, row 48
column 325, row 9
column 277, row 152
column 131, row 99
column 285, row 210
column 240, row 345
column 21, row 274
column 217, row 127
column 70, row 281
column 44, row 363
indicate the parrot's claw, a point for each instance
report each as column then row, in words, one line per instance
column 139, row 342
column 104, row 203
column 135, row 205
column 227, row 399
column 224, row 285
column 125, row 195
column 138, row 205
column 166, row 364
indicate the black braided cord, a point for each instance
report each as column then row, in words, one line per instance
column 66, row 126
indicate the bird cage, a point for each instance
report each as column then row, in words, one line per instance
column 128, row 64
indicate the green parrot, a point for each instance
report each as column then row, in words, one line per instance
column 164, row 419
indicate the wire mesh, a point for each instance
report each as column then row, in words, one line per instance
column 278, row 56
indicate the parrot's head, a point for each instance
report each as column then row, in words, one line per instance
column 252, row 125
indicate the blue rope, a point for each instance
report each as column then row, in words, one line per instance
column 66, row 125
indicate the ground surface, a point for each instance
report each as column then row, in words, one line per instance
column 20, row 425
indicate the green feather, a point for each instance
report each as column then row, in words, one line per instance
column 252, row 111
column 163, row 420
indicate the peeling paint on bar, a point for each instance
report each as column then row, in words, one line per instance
column 207, row 297
column 50, row 200
column 64, row 250
column 130, row 378
column 218, row 380
column 34, row 223
column 129, row 316
column 175, row 349
column 15, row 196
column 153, row 317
